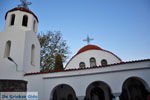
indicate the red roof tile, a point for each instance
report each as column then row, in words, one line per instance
column 88, row 47
column 76, row 69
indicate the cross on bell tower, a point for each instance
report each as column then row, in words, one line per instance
column 24, row 4
column 88, row 39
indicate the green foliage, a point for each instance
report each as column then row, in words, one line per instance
column 52, row 43
column 58, row 62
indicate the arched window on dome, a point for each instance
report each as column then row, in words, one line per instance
column 25, row 20
column 12, row 20
column 33, row 55
column 7, row 49
column 103, row 62
column 92, row 62
column 82, row 65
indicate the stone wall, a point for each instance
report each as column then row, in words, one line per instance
column 13, row 86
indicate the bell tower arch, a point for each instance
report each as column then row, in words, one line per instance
column 19, row 41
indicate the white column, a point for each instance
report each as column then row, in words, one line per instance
column 117, row 98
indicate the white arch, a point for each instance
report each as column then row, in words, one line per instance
column 92, row 61
column 7, row 49
column 141, row 80
column 33, row 55
column 12, row 19
column 103, row 85
column 25, row 21
column 52, row 92
column 34, row 26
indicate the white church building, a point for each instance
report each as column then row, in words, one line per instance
column 91, row 74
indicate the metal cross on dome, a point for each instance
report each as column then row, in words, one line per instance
column 24, row 4
column 88, row 39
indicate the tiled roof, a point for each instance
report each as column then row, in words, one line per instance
column 22, row 9
column 88, row 47
column 76, row 69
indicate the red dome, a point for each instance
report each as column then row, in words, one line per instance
column 22, row 9
column 89, row 47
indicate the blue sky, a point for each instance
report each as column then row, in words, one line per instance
column 119, row 26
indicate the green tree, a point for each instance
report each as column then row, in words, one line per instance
column 58, row 62
column 52, row 43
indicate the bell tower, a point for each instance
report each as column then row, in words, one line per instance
column 21, row 17
column 18, row 40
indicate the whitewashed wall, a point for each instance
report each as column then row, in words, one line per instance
column 79, row 80
column 86, row 55
column 21, row 38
